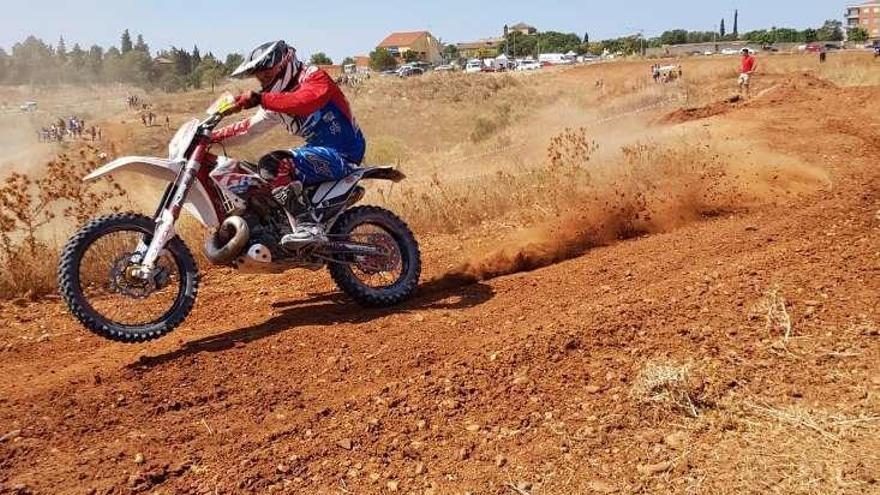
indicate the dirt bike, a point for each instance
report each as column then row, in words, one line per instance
column 130, row 278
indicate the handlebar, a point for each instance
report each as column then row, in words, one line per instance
column 213, row 120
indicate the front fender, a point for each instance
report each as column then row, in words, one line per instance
column 198, row 203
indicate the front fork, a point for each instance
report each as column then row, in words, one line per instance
column 168, row 214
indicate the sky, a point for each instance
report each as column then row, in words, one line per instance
column 353, row 27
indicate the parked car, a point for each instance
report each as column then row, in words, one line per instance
column 769, row 48
column 526, row 65
column 813, row 48
column 731, row 51
column 410, row 71
column 28, row 106
column 444, row 68
column 473, row 66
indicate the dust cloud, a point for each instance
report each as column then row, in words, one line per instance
column 650, row 189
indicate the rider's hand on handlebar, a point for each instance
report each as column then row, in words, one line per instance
column 248, row 100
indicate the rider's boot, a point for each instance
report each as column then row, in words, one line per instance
column 306, row 230
column 304, row 234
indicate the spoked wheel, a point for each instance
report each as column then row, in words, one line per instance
column 387, row 277
column 98, row 278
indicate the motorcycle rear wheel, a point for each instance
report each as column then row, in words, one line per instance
column 88, row 266
column 395, row 283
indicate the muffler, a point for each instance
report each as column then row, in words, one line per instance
column 224, row 246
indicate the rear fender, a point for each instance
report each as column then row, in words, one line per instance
column 198, row 202
column 332, row 190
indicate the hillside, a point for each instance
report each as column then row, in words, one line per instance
column 699, row 315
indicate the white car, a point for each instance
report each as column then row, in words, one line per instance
column 473, row 66
column 529, row 65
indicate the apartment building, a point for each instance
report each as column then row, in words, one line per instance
column 866, row 16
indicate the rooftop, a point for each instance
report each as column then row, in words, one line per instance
column 402, row 39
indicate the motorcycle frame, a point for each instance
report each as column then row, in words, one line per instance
column 190, row 186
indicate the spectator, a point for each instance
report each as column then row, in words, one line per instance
column 749, row 65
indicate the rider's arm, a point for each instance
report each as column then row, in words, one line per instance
column 247, row 129
column 312, row 94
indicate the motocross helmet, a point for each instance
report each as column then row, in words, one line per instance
column 274, row 64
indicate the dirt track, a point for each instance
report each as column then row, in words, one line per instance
column 520, row 384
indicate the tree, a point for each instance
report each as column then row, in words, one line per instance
column 4, row 66
column 321, row 58
column 196, row 57
column 674, row 37
column 140, row 45
column 722, row 31
column 586, row 38
column 77, row 62
column 810, row 35
column 95, row 61
column 832, row 30
column 736, row 24
column 233, row 60
column 210, row 71
column 410, row 56
column 61, row 51
column 348, row 61
column 450, row 52
column 381, row 60
column 125, row 43
column 857, row 34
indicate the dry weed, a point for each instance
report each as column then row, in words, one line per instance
column 668, row 385
column 33, row 210
column 794, row 450
column 773, row 310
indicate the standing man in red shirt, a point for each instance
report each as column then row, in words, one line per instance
column 749, row 65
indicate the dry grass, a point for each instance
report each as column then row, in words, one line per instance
column 773, row 310
column 669, row 386
column 791, row 450
column 33, row 212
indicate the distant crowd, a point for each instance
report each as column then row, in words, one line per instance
column 666, row 73
column 145, row 110
column 70, row 128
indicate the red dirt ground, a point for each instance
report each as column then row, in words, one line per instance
column 520, row 384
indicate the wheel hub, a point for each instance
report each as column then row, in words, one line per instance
column 126, row 277
column 388, row 260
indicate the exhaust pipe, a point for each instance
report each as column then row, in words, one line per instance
column 224, row 246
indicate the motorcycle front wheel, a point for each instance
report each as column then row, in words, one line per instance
column 97, row 279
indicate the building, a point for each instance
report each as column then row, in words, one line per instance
column 487, row 48
column 523, row 28
column 362, row 63
column 866, row 16
column 422, row 43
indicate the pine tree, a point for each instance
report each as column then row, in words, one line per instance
column 140, row 46
column 196, row 57
column 736, row 24
column 125, row 44
column 61, row 50
column 586, row 38
column 722, row 30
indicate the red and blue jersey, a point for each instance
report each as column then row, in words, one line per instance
column 315, row 109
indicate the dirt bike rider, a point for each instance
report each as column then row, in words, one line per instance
column 306, row 101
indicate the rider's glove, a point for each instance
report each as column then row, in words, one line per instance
column 245, row 101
